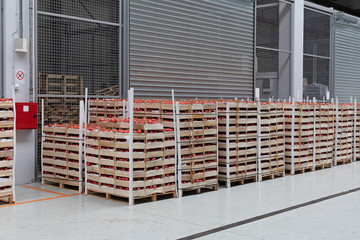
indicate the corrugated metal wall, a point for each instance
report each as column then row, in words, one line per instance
column 200, row 48
column 347, row 62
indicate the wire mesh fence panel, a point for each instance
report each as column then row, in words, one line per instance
column 78, row 48
column 273, row 46
column 78, row 44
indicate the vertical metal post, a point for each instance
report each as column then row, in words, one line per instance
column 259, row 176
column 228, row 183
column 284, row 137
column 217, row 141
column 292, row 136
column 42, row 141
column 125, row 46
column 314, row 140
column 336, row 131
column 85, row 129
column 124, row 108
column 175, row 134
column 131, row 147
column 81, row 129
column 14, row 157
column 254, row 52
column 354, row 140
column 180, row 191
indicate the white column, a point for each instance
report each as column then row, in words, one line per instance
column 297, row 47
column 13, row 62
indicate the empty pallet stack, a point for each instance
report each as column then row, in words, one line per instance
column 271, row 140
column 108, row 157
column 343, row 133
column 197, row 145
column 324, row 129
column 7, row 150
column 59, row 109
column 237, row 127
column 106, row 108
column 62, row 157
column 299, row 137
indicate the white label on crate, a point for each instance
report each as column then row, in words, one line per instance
column 25, row 108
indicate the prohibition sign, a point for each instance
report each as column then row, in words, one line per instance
column 20, row 75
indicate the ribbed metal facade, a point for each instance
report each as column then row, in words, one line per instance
column 347, row 62
column 200, row 48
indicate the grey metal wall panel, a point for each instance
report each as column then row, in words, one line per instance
column 347, row 62
column 199, row 48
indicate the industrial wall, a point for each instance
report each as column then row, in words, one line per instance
column 201, row 48
column 347, row 58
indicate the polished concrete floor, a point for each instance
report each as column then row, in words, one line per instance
column 61, row 216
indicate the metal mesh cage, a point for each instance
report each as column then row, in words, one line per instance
column 78, row 48
column 273, row 46
column 104, row 10
column 316, row 53
column 267, row 24
column 316, row 33
column 78, row 45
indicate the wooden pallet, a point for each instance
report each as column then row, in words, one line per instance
column 109, row 91
column 200, row 189
column 343, row 162
column 239, row 181
column 7, row 199
column 323, row 166
column 64, row 184
column 150, row 198
column 300, row 170
column 270, row 176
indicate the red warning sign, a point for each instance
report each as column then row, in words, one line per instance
column 20, row 75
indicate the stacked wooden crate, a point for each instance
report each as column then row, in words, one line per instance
column 299, row 149
column 271, row 140
column 108, row 159
column 357, row 133
column 7, row 150
column 344, row 134
column 237, row 127
column 324, row 129
column 197, row 145
column 62, row 163
column 106, row 108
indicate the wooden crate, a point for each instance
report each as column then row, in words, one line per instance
column 106, row 108
column 357, row 133
column 241, row 164
column 271, row 143
column 60, row 156
column 325, row 135
column 302, row 155
column 344, row 133
column 198, row 145
column 108, row 166
column 6, row 150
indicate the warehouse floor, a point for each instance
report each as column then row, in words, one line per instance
column 52, row 213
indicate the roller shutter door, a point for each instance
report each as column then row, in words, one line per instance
column 347, row 62
column 200, row 48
